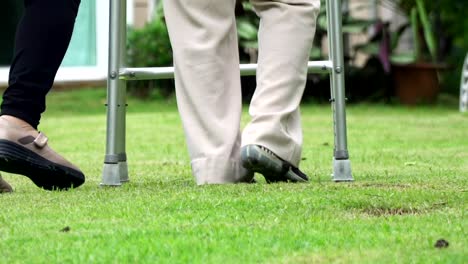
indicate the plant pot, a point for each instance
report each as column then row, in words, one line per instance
column 416, row 82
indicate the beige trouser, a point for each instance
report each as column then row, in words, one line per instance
column 204, row 41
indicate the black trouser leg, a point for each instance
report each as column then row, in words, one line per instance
column 42, row 38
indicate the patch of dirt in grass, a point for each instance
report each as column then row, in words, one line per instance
column 318, row 259
column 386, row 185
column 376, row 211
column 373, row 210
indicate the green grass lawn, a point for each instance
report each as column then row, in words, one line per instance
column 410, row 167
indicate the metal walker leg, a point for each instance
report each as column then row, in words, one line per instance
column 464, row 87
column 341, row 163
column 115, row 163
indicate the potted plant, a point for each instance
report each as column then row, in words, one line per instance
column 414, row 73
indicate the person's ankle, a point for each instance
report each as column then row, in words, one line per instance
column 20, row 123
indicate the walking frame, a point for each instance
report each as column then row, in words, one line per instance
column 115, row 170
column 464, row 87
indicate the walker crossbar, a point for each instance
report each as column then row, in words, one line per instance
column 154, row 73
column 115, row 163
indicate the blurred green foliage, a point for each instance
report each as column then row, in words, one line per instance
column 450, row 23
column 149, row 46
